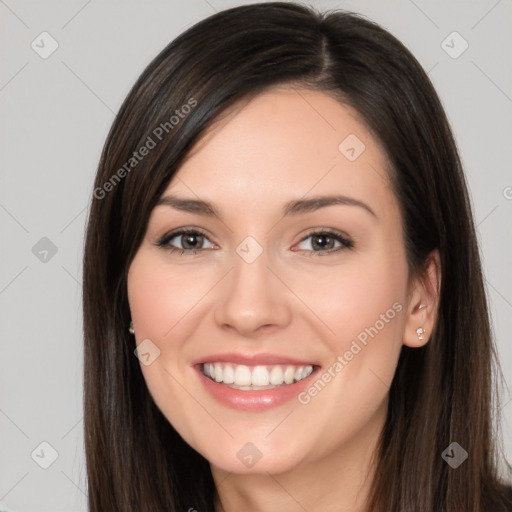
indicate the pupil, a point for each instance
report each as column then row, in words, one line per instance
column 191, row 240
column 323, row 241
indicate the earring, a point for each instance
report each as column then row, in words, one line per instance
column 131, row 328
column 420, row 332
column 421, row 306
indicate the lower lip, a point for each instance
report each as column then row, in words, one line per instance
column 256, row 400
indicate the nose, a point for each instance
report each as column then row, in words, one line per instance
column 252, row 299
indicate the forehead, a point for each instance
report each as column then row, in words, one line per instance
column 294, row 111
column 282, row 144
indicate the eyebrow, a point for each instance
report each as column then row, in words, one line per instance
column 296, row 207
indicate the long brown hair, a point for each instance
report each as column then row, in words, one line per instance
column 441, row 393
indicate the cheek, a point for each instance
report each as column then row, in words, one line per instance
column 353, row 297
column 160, row 298
column 162, row 309
column 360, row 307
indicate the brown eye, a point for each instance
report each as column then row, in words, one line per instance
column 325, row 242
column 185, row 241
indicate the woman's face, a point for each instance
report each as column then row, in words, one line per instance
column 299, row 266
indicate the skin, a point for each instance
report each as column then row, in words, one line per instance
column 292, row 301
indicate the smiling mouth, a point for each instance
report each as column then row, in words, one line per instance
column 259, row 377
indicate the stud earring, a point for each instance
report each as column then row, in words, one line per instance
column 131, row 328
column 420, row 332
column 421, row 306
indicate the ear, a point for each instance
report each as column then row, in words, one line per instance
column 422, row 307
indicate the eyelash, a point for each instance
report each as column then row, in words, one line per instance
column 346, row 243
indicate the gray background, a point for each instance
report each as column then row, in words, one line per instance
column 56, row 113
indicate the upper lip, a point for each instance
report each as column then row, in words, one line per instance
column 251, row 360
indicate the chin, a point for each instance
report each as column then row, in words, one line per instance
column 249, row 458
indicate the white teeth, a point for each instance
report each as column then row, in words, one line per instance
column 276, row 376
column 242, row 375
column 289, row 374
column 228, row 375
column 308, row 370
column 255, row 377
column 260, row 376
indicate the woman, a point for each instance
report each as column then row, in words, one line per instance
column 283, row 298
